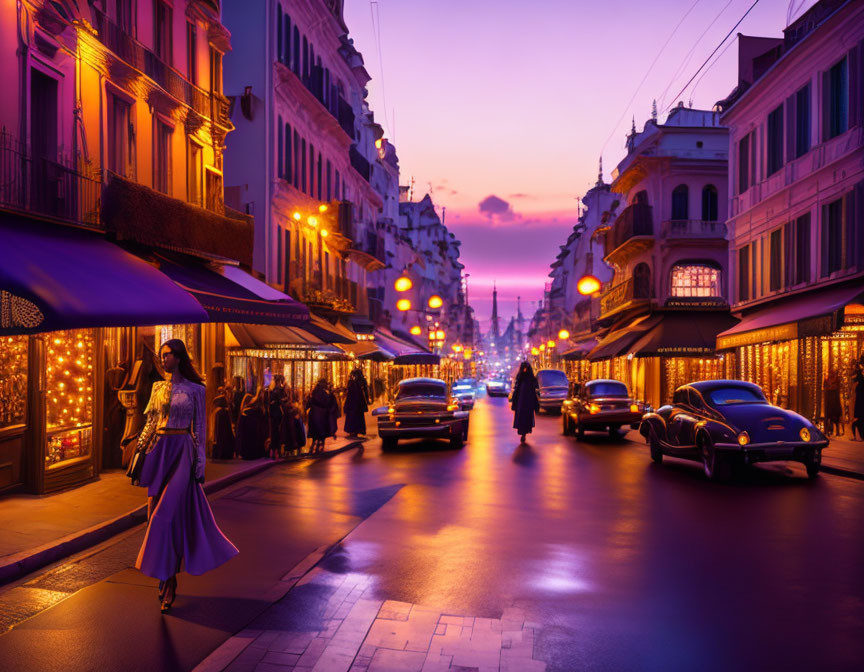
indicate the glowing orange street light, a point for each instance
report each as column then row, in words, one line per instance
column 563, row 335
column 313, row 221
column 435, row 301
column 403, row 284
column 542, row 347
column 550, row 344
column 535, row 351
column 588, row 285
column 297, row 216
column 439, row 335
column 456, row 347
column 324, row 233
column 416, row 331
column 322, row 207
column 403, row 305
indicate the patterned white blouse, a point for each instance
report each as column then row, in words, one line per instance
column 178, row 405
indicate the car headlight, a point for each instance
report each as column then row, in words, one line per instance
column 634, row 408
column 743, row 439
column 452, row 407
column 804, row 434
column 593, row 408
column 392, row 409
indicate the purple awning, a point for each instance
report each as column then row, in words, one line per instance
column 54, row 277
column 683, row 334
column 227, row 300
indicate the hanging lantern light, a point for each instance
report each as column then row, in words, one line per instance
column 535, row 351
column 563, row 335
column 403, row 305
column 435, row 301
column 588, row 285
column 403, row 284
column 550, row 344
column 416, row 331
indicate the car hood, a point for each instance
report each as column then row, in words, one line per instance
column 765, row 423
column 554, row 391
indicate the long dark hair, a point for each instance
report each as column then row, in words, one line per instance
column 184, row 366
column 525, row 372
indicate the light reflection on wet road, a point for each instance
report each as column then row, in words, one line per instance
column 624, row 564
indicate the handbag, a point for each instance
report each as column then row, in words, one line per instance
column 136, row 464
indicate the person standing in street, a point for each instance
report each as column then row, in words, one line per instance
column 356, row 403
column 275, row 399
column 833, row 407
column 181, row 529
column 859, row 397
column 525, row 402
column 321, row 407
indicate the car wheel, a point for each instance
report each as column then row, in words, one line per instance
column 456, row 441
column 580, row 432
column 614, row 432
column 389, row 443
column 656, row 449
column 713, row 464
column 813, row 463
column 565, row 424
column 465, row 431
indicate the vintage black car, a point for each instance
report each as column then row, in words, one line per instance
column 724, row 422
column 497, row 387
column 601, row 405
column 422, row 409
column 553, row 386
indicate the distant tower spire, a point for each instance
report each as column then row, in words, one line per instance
column 496, row 330
column 600, row 173
column 654, row 110
column 632, row 129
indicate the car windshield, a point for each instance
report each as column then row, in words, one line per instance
column 464, row 382
column 724, row 396
column 552, row 379
column 421, row 390
column 607, row 390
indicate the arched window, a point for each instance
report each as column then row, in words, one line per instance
column 693, row 279
column 641, row 198
column 642, row 281
column 709, row 203
column 681, row 202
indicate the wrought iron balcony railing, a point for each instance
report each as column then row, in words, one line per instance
column 47, row 186
column 635, row 220
column 692, row 228
column 622, row 294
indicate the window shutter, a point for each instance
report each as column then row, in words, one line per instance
column 789, row 254
column 855, row 84
column 826, row 105
column 753, row 142
column 823, row 227
column 850, row 247
column 790, row 128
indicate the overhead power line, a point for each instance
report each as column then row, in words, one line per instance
column 375, row 12
column 705, row 62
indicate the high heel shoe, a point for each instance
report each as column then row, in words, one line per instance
column 169, row 594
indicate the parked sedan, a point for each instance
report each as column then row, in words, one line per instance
column 422, row 409
column 601, row 405
column 723, row 422
column 497, row 388
column 553, row 387
column 465, row 392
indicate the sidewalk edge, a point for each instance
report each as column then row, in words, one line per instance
column 21, row 564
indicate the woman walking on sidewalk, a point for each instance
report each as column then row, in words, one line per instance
column 525, row 402
column 180, row 528
column 322, row 407
column 356, row 404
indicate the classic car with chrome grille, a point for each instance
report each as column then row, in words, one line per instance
column 601, row 405
column 422, row 408
column 464, row 391
column 724, row 422
column 552, row 388
column 497, row 387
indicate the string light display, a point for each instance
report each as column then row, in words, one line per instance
column 69, row 397
column 13, row 382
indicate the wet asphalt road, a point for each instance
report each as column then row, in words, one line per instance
column 622, row 564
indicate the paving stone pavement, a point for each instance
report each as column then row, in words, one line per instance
column 333, row 623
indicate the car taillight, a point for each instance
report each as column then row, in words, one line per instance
column 805, row 434
column 593, row 408
column 743, row 439
column 634, row 408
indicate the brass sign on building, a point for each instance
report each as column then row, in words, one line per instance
column 781, row 332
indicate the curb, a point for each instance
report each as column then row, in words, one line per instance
column 839, row 471
column 21, row 564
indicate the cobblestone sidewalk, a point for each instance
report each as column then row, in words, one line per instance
column 331, row 623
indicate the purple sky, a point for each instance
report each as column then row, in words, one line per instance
column 518, row 100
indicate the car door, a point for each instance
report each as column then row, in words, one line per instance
column 687, row 422
column 679, row 419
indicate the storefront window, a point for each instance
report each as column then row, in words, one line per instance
column 188, row 333
column 69, row 396
column 13, row 380
column 683, row 370
column 696, row 280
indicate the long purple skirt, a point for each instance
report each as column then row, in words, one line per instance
column 182, row 528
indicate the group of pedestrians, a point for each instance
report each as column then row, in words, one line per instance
column 832, row 386
column 277, row 420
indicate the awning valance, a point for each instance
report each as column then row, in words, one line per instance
column 367, row 350
column 617, row 342
column 416, row 358
column 229, row 294
column 266, row 337
column 797, row 316
column 395, row 345
column 580, row 350
column 54, row 277
column 366, row 260
column 683, row 334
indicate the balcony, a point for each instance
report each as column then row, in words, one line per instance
column 53, row 188
column 634, row 224
column 360, row 163
column 211, row 105
column 623, row 295
column 693, row 229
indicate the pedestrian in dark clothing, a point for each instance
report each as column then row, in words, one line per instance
column 238, row 391
column 275, row 398
column 223, row 434
column 833, row 408
column 251, row 426
column 322, row 408
column 525, row 402
column 357, row 402
column 293, row 431
column 859, row 398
